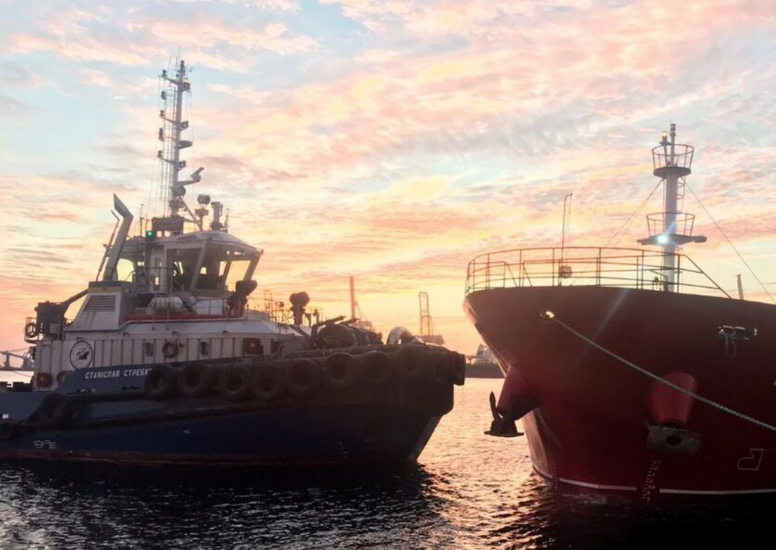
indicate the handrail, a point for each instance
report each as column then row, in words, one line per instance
column 586, row 266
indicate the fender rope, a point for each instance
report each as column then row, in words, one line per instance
column 549, row 316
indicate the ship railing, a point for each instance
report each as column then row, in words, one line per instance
column 678, row 155
column 588, row 266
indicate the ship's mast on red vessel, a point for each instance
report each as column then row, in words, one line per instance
column 672, row 228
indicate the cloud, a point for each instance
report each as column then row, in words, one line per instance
column 12, row 74
column 13, row 108
column 274, row 37
column 86, row 49
column 394, row 140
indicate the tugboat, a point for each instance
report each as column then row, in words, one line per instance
column 167, row 364
column 633, row 372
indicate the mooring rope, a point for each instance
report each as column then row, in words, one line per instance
column 548, row 315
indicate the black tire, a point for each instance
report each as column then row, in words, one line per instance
column 441, row 367
column 160, row 382
column 196, row 380
column 302, row 377
column 267, row 383
column 377, row 367
column 7, row 431
column 55, row 411
column 339, row 371
column 409, row 361
column 234, row 382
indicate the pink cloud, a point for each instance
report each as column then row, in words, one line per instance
column 86, row 49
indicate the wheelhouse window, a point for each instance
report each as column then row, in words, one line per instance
column 220, row 269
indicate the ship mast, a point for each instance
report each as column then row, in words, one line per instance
column 172, row 188
column 672, row 228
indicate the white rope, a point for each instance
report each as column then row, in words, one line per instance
column 551, row 317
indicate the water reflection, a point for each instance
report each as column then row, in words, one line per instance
column 469, row 492
column 144, row 508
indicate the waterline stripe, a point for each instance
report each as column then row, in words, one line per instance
column 737, row 492
column 585, row 483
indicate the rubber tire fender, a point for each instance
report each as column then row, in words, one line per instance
column 377, row 367
column 234, row 382
column 196, row 380
column 54, row 411
column 441, row 366
column 8, row 431
column 339, row 370
column 409, row 361
column 160, row 382
column 302, row 377
column 267, row 384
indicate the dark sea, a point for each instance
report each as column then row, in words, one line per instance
column 467, row 491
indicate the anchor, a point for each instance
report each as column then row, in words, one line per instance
column 502, row 426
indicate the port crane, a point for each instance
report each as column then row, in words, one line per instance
column 427, row 331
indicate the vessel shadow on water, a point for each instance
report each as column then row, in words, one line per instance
column 170, row 366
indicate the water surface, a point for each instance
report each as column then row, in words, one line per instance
column 468, row 491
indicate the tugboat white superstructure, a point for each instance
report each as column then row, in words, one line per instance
column 165, row 363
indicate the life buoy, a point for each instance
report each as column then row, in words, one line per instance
column 267, row 382
column 31, row 329
column 234, row 382
column 62, row 375
column 377, row 367
column 160, row 382
column 409, row 361
column 339, row 370
column 43, row 380
column 196, row 380
column 302, row 377
column 55, row 411
column 170, row 349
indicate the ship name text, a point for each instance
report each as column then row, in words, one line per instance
column 116, row 373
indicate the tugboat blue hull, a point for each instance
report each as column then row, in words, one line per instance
column 325, row 435
column 121, row 415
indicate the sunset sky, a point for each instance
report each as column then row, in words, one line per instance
column 388, row 140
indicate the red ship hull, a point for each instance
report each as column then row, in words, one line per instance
column 588, row 431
